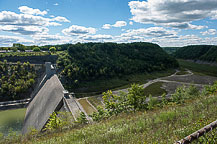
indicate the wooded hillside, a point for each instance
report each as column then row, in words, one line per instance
column 198, row 52
column 92, row 61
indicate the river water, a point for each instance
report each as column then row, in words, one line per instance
column 12, row 120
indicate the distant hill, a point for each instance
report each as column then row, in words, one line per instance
column 170, row 50
column 198, row 52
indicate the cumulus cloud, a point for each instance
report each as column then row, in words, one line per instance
column 28, row 22
column 60, row 19
column 173, row 13
column 209, row 32
column 117, row 24
column 76, row 30
column 97, row 37
column 31, row 11
column 24, row 30
column 51, row 39
column 130, row 23
column 120, row 24
column 56, row 4
column 11, row 18
column 106, row 26
column 9, row 40
column 151, row 32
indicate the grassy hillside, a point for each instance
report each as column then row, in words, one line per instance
column 198, row 52
column 165, row 124
column 202, row 69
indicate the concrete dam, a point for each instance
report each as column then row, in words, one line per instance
column 49, row 96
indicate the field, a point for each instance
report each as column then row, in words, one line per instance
column 201, row 69
column 155, row 89
column 11, row 120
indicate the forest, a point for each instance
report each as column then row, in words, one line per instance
column 91, row 61
column 15, row 80
column 198, row 52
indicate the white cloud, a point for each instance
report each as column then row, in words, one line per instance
column 76, row 30
column 97, row 37
column 209, row 32
column 117, row 24
column 106, row 26
column 11, row 18
column 51, row 39
column 24, row 30
column 9, row 40
column 28, row 22
column 130, row 23
column 61, row 19
column 173, row 13
column 120, row 24
column 31, row 11
column 151, row 32
column 56, row 4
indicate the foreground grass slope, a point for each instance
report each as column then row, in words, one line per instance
column 160, row 125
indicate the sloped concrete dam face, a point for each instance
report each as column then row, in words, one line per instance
column 46, row 101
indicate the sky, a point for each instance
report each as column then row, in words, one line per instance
column 169, row 23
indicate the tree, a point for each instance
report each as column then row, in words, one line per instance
column 36, row 49
column 52, row 49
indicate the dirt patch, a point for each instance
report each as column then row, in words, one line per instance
column 171, row 87
column 86, row 106
column 194, row 79
column 96, row 101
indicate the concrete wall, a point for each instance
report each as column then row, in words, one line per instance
column 32, row 59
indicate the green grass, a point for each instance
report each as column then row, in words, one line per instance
column 87, row 107
column 161, row 125
column 182, row 73
column 99, row 86
column 11, row 119
column 155, row 89
column 201, row 69
column 94, row 101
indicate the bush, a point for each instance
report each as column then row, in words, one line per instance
column 52, row 49
column 82, row 118
column 54, row 122
column 183, row 93
column 36, row 49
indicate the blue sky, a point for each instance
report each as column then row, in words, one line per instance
column 165, row 22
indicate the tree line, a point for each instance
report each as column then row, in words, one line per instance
column 15, row 80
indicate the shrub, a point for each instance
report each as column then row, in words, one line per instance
column 82, row 118
column 136, row 97
column 52, row 49
column 36, row 49
column 54, row 122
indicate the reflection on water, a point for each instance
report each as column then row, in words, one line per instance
column 11, row 120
